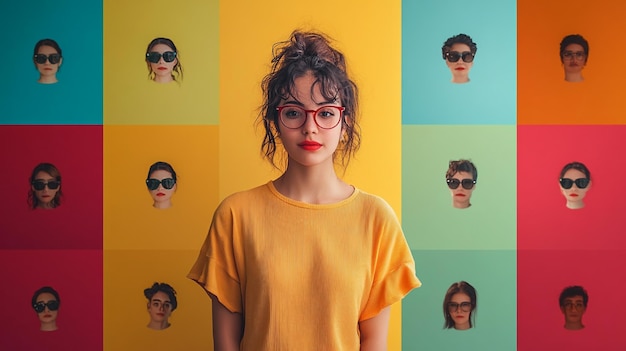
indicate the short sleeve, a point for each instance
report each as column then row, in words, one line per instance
column 216, row 267
column 394, row 267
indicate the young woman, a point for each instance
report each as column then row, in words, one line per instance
column 48, row 58
column 161, row 303
column 163, row 61
column 46, row 302
column 45, row 187
column 574, row 51
column 306, row 261
column 459, row 306
column 161, row 183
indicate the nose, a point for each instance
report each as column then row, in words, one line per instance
column 309, row 126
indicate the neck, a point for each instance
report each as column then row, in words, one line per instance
column 47, row 79
column 316, row 184
column 158, row 325
column 49, row 326
column 574, row 325
column 464, row 204
column 460, row 78
column 162, row 204
column 462, row 326
column 163, row 79
column 575, row 205
column 574, row 77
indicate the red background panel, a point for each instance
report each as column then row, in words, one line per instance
column 542, row 275
column 77, row 152
column 76, row 275
column 543, row 220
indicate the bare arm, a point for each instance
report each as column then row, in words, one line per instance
column 374, row 331
column 227, row 327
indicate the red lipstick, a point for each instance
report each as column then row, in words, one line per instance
column 310, row 145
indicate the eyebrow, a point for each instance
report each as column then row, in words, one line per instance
column 296, row 102
column 160, row 300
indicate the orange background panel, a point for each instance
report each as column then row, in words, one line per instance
column 543, row 95
column 130, row 221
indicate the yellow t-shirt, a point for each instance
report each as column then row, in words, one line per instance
column 304, row 275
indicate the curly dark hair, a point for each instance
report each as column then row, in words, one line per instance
column 571, row 291
column 574, row 39
column 461, row 166
column 163, row 287
column 458, row 39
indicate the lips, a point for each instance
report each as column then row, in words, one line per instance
column 573, row 195
column 460, row 68
column 310, row 145
column 460, row 195
column 162, row 68
column 47, row 315
column 160, row 194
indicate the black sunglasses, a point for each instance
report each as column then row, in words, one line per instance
column 155, row 57
column 40, row 185
column 52, row 306
column 454, row 56
column 53, row 58
column 466, row 183
column 153, row 184
column 567, row 183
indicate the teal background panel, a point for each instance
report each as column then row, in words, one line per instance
column 77, row 27
column 429, row 220
column 428, row 96
column 491, row 273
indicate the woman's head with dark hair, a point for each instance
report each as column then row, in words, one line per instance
column 162, row 184
column 46, row 303
column 161, row 303
column 459, row 52
column 575, row 181
column 574, row 53
column 310, row 53
column 461, row 178
column 45, row 187
column 459, row 306
column 163, row 61
column 47, row 57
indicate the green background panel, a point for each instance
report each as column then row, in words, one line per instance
column 491, row 273
column 429, row 220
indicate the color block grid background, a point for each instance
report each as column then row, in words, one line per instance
column 104, row 123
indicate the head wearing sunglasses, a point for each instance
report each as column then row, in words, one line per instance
column 579, row 166
column 459, row 39
column 459, row 287
column 168, row 56
column 39, row 185
column 168, row 183
column 40, row 306
column 47, row 42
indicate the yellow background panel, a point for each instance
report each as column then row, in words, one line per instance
column 130, row 221
column 126, row 274
column 368, row 32
column 129, row 97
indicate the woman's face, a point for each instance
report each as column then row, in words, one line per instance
column 47, row 316
column 162, row 69
column 46, row 195
column 47, row 69
column 461, row 196
column 162, row 197
column 460, row 69
column 575, row 194
column 460, row 309
column 574, row 58
column 160, row 308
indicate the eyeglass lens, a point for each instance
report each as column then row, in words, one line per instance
column 40, row 185
column 467, row 183
column 465, row 306
column 53, row 58
column 41, row 306
column 326, row 117
column 155, row 57
column 454, row 56
column 153, row 184
column 567, row 183
column 578, row 55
